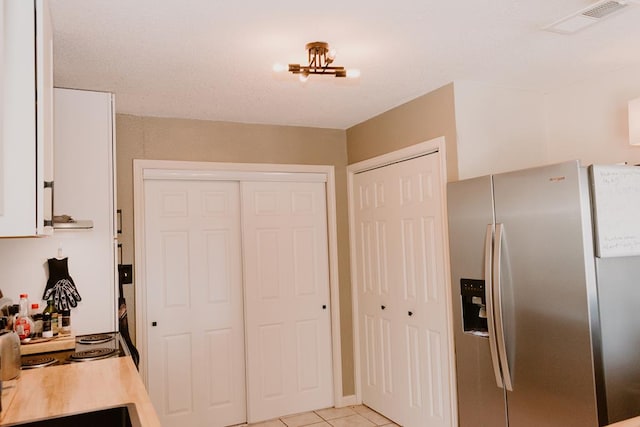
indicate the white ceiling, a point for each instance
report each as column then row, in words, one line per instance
column 212, row 59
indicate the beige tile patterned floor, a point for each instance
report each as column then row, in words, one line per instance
column 350, row 416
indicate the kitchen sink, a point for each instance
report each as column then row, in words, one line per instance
column 117, row 416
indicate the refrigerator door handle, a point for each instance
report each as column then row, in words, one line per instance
column 488, row 279
column 497, row 300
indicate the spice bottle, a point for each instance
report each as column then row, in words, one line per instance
column 65, row 325
column 37, row 320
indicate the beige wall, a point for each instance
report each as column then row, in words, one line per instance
column 588, row 120
column 198, row 140
column 492, row 129
column 498, row 128
column 501, row 129
column 424, row 118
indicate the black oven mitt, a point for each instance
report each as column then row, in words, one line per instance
column 60, row 285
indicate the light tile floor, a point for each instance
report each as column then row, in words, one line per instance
column 350, row 416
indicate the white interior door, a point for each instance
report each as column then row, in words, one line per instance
column 196, row 366
column 402, row 292
column 287, row 298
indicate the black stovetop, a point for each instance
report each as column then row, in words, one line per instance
column 88, row 348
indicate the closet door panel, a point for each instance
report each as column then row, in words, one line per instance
column 193, row 261
column 287, row 298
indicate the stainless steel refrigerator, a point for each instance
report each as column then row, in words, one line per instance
column 544, row 337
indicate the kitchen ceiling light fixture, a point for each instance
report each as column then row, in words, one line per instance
column 320, row 59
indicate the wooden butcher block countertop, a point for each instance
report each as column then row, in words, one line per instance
column 77, row 387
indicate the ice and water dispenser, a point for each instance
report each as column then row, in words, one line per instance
column 474, row 307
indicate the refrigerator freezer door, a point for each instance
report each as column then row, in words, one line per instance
column 545, row 297
column 470, row 209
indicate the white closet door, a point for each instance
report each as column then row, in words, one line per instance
column 194, row 302
column 378, row 315
column 402, row 292
column 287, row 298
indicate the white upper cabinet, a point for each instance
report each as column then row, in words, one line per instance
column 26, row 118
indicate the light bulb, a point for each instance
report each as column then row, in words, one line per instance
column 303, row 77
column 278, row 68
column 331, row 54
column 353, row 73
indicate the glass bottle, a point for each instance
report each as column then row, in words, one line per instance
column 49, row 320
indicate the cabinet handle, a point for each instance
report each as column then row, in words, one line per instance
column 324, row 306
column 154, row 323
column 118, row 221
column 410, row 313
column 49, row 222
column 383, row 307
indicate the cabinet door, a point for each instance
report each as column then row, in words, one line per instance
column 22, row 144
column 84, row 163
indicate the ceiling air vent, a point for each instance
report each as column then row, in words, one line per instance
column 587, row 16
column 600, row 10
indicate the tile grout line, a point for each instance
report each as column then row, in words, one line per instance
column 328, row 421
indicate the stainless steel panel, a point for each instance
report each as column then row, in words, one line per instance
column 619, row 297
column 480, row 402
column 545, row 299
